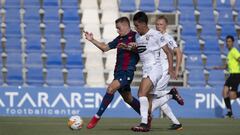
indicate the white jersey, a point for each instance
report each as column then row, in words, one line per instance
column 171, row 44
column 149, row 46
column 161, row 87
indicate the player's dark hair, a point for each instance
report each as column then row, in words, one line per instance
column 230, row 37
column 140, row 17
column 123, row 19
column 162, row 17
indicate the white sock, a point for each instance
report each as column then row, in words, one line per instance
column 144, row 105
column 168, row 111
column 158, row 102
column 97, row 116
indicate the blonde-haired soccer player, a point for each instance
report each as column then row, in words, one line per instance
column 161, row 95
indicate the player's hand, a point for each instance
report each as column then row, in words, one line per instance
column 176, row 74
column 122, row 46
column 172, row 74
column 88, row 36
column 132, row 45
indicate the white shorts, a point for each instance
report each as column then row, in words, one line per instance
column 154, row 72
column 161, row 87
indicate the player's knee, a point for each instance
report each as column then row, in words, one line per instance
column 225, row 93
column 142, row 93
column 232, row 95
column 127, row 99
column 110, row 90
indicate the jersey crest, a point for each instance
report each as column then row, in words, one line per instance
column 170, row 43
column 162, row 39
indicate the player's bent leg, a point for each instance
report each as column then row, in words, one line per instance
column 146, row 86
column 176, row 96
column 154, row 105
column 168, row 112
column 107, row 99
column 105, row 102
column 130, row 100
column 158, row 102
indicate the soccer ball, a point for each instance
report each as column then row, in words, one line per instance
column 75, row 122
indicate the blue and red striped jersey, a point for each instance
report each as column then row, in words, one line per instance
column 126, row 60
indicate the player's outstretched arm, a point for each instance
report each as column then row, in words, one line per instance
column 102, row 46
column 179, row 60
column 225, row 65
column 170, row 61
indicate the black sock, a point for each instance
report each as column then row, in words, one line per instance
column 228, row 104
column 238, row 94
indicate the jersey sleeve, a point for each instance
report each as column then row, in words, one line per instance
column 162, row 41
column 171, row 43
column 236, row 53
column 113, row 44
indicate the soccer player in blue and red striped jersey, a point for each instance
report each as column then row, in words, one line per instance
column 124, row 68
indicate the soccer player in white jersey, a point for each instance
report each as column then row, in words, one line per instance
column 149, row 43
column 160, row 92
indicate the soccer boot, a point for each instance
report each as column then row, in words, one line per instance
column 93, row 122
column 140, row 128
column 176, row 127
column 176, row 96
column 229, row 115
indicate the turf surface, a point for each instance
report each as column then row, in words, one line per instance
column 114, row 126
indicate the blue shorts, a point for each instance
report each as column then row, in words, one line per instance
column 125, row 78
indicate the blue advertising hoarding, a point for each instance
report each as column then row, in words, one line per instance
column 203, row 103
column 62, row 102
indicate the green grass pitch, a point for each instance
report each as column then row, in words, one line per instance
column 116, row 126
